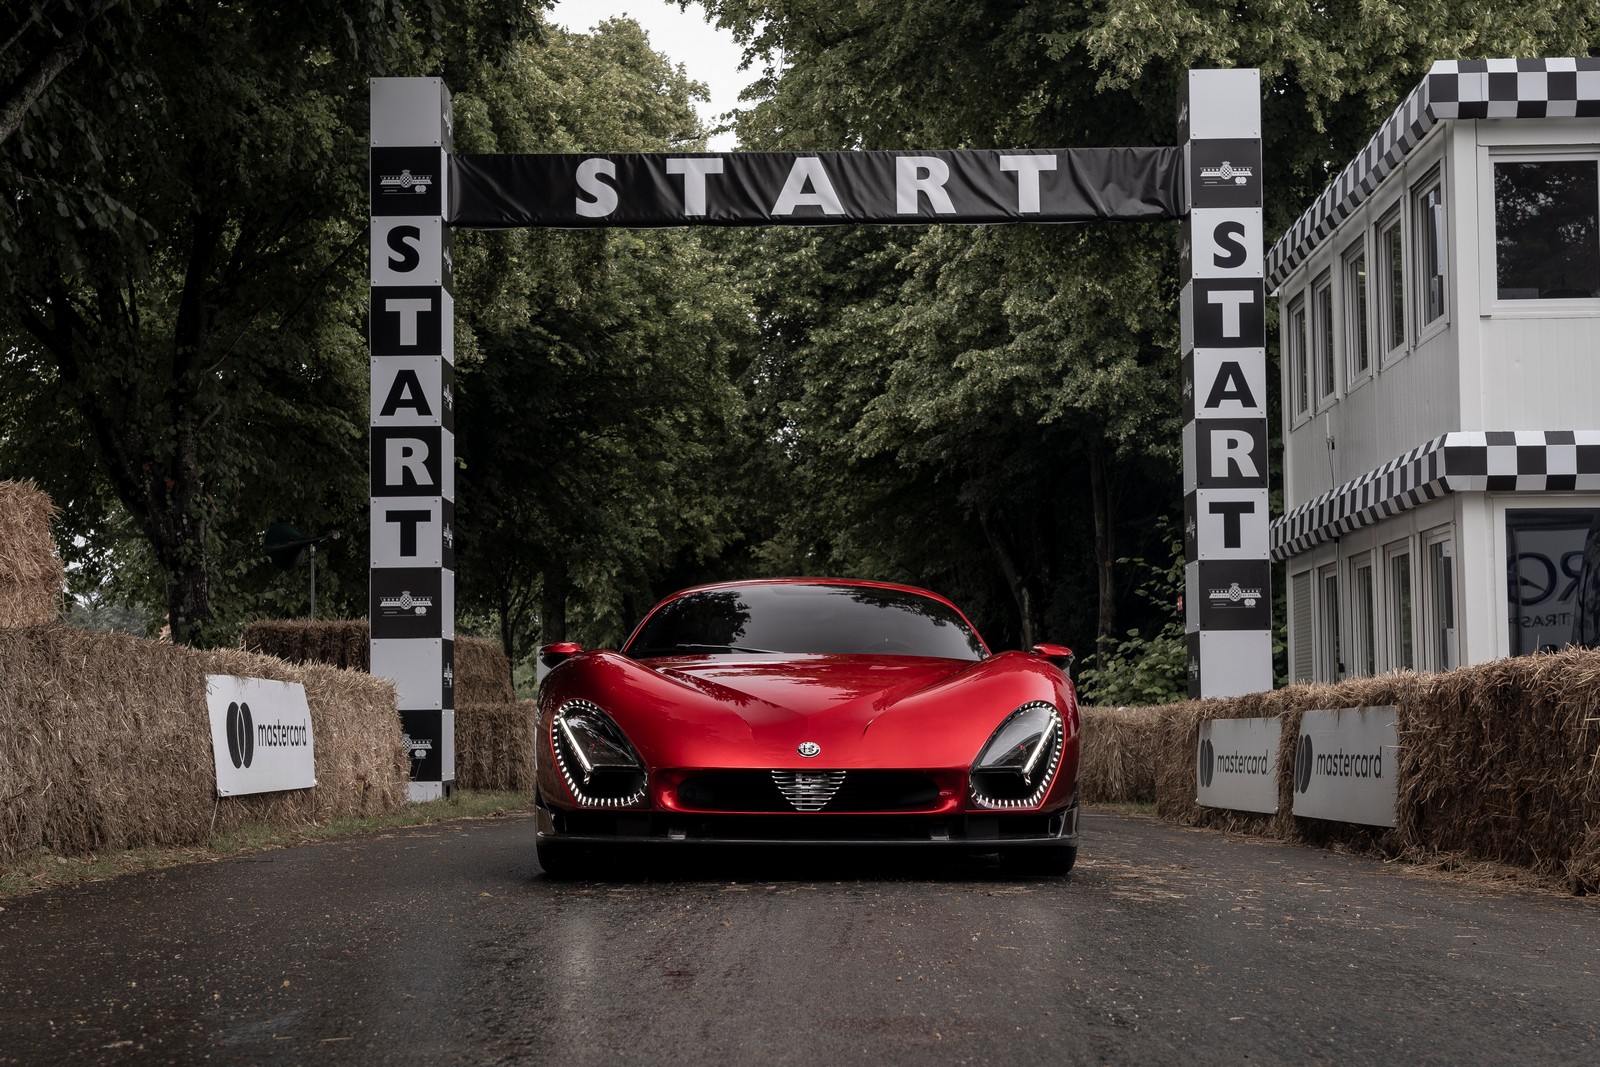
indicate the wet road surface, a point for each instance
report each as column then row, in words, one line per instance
column 444, row 944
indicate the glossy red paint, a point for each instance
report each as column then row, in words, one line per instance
column 687, row 714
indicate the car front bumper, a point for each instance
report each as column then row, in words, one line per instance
column 971, row 831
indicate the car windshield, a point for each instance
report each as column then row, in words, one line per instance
column 795, row 618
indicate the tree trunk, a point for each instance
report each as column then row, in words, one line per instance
column 1104, row 551
column 553, row 603
column 1006, row 556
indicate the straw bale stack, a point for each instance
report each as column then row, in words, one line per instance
column 1499, row 762
column 482, row 671
column 108, row 743
column 335, row 642
column 1121, row 754
column 1502, row 762
column 32, row 581
column 494, row 746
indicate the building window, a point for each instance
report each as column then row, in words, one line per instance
column 1322, row 335
column 1439, row 605
column 1392, row 280
column 1546, row 237
column 1355, row 311
column 1402, row 643
column 1363, row 639
column 1300, row 597
column 1332, row 667
column 1299, row 373
column 1552, row 555
column 1428, row 200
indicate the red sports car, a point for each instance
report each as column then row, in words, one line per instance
column 807, row 711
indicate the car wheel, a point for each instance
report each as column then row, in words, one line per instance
column 1056, row 860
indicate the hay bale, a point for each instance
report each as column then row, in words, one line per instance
column 108, row 743
column 483, row 673
column 32, row 580
column 337, row 642
column 494, row 746
column 1501, row 762
column 1121, row 753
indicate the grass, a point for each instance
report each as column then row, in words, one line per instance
column 31, row 874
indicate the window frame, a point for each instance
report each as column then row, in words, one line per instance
column 1488, row 260
column 1328, row 652
column 1364, row 643
column 1298, row 358
column 1389, row 348
column 1399, row 607
column 1357, row 311
column 1425, row 249
column 1321, row 313
column 1432, row 657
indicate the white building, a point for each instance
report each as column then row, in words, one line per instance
column 1440, row 327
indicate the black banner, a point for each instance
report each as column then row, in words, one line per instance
column 820, row 188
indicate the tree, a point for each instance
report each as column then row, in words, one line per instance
column 596, row 402
column 183, row 292
column 1010, row 345
column 36, row 44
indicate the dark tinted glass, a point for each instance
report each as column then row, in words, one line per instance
column 821, row 619
column 1546, row 246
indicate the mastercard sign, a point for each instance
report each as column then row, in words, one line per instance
column 261, row 739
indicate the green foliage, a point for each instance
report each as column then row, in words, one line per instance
column 597, row 406
column 182, row 353
column 994, row 410
column 1142, row 670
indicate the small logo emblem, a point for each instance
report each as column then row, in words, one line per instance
column 809, row 749
column 405, row 182
column 392, row 605
column 1226, row 173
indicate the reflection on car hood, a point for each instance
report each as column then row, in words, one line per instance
column 810, row 685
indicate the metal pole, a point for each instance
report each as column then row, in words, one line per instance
column 313, row 581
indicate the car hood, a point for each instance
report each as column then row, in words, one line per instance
column 853, row 686
column 755, row 711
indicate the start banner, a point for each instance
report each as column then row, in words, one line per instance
column 816, row 188
column 261, row 736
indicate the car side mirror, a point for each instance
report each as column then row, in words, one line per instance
column 550, row 656
column 1060, row 655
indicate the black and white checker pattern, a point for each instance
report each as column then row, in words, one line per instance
column 1227, row 574
column 1469, row 461
column 412, row 423
column 1453, row 89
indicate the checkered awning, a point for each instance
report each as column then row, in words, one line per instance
column 1520, row 461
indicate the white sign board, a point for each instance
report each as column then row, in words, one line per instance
column 260, row 735
column 1236, row 765
column 1346, row 764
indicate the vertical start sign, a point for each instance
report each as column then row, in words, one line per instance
column 411, row 325
column 1228, row 575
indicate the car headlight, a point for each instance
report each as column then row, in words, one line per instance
column 599, row 765
column 1019, row 761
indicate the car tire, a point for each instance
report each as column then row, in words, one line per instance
column 560, row 860
column 1056, row 860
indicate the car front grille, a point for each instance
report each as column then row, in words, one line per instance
column 788, row 791
column 808, row 790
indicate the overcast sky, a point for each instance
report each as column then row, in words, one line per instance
column 707, row 53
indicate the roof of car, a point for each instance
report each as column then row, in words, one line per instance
column 860, row 582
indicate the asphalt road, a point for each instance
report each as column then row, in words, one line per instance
column 445, row 945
